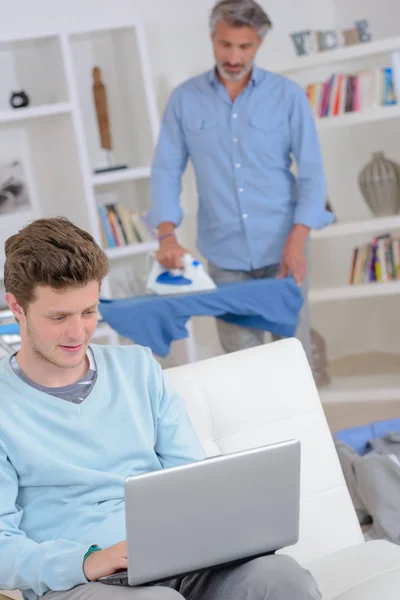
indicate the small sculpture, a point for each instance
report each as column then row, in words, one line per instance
column 100, row 100
column 103, row 121
column 19, row 99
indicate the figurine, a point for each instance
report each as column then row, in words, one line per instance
column 19, row 99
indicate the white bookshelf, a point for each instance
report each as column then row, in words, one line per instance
column 362, row 388
column 122, row 175
column 371, row 225
column 333, row 301
column 131, row 250
column 350, row 292
column 37, row 112
column 56, row 135
column 379, row 113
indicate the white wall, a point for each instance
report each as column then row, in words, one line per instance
column 383, row 15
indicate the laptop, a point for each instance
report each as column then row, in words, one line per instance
column 219, row 511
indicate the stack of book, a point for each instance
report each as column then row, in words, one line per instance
column 378, row 261
column 120, row 227
column 342, row 94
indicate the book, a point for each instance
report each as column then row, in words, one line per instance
column 106, row 228
column 396, row 73
column 121, row 227
column 344, row 93
column 143, row 230
column 378, row 261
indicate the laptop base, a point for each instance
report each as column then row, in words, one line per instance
column 121, row 578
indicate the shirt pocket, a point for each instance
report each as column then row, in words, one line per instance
column 202, row 136
column 269, row 135
column 200, row 125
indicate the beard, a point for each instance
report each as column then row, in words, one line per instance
column 51, row 359
column 244, row 70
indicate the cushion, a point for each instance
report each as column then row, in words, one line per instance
column 369, row 571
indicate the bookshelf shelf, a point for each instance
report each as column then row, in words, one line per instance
column 122, row 175
column 372, row 115
column 348, row 292
column 362, row 388
column 347, row 53
column 357, row 227
column 36, row 112
column 131, row 250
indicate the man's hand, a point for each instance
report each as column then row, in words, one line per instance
column 293, row 259
column 170, row 253
column 106, row 562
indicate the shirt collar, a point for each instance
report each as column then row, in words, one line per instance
column 255, row 76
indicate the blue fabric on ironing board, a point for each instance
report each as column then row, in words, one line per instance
column 155, row 321
column 9, row 329
column 358, row 437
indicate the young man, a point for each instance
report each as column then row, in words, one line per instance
column 76, row 420
column 240, row 125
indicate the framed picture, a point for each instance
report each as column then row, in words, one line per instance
column 14, row 192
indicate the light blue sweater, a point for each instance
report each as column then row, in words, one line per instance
column 63, row 465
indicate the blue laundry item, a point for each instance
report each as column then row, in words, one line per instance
column 358, row 437
column 155, row 321
column 9, row 329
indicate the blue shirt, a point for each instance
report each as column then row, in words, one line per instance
column 63, row 465
column 242, row 153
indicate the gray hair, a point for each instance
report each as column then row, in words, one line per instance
column 238, row 13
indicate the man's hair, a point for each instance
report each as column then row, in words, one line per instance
column 238, row 13
column 51, row 252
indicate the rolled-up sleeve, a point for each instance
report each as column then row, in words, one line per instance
column 311, row 184
column 169, row 163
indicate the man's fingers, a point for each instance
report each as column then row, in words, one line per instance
column 170, row 260
column 178, row 262
column 123, row 563
column 283, row 272
column 299, row 274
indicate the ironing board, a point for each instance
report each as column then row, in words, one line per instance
column 155, row 321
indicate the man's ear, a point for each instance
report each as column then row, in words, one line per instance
column 15, row 308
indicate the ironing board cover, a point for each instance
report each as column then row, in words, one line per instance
column 155, row 321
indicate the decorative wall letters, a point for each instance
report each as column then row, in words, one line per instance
column 308, row 42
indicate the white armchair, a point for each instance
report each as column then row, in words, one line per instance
column 267, row 394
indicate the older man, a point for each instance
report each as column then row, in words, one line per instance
column 241, row 126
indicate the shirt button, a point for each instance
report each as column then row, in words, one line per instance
column 238, row 165
column 240, row 190
column 235, row 140
column 245, row 215
column 235, row 116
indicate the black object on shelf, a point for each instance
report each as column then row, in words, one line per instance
column 19, row 99
column 111, row 168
